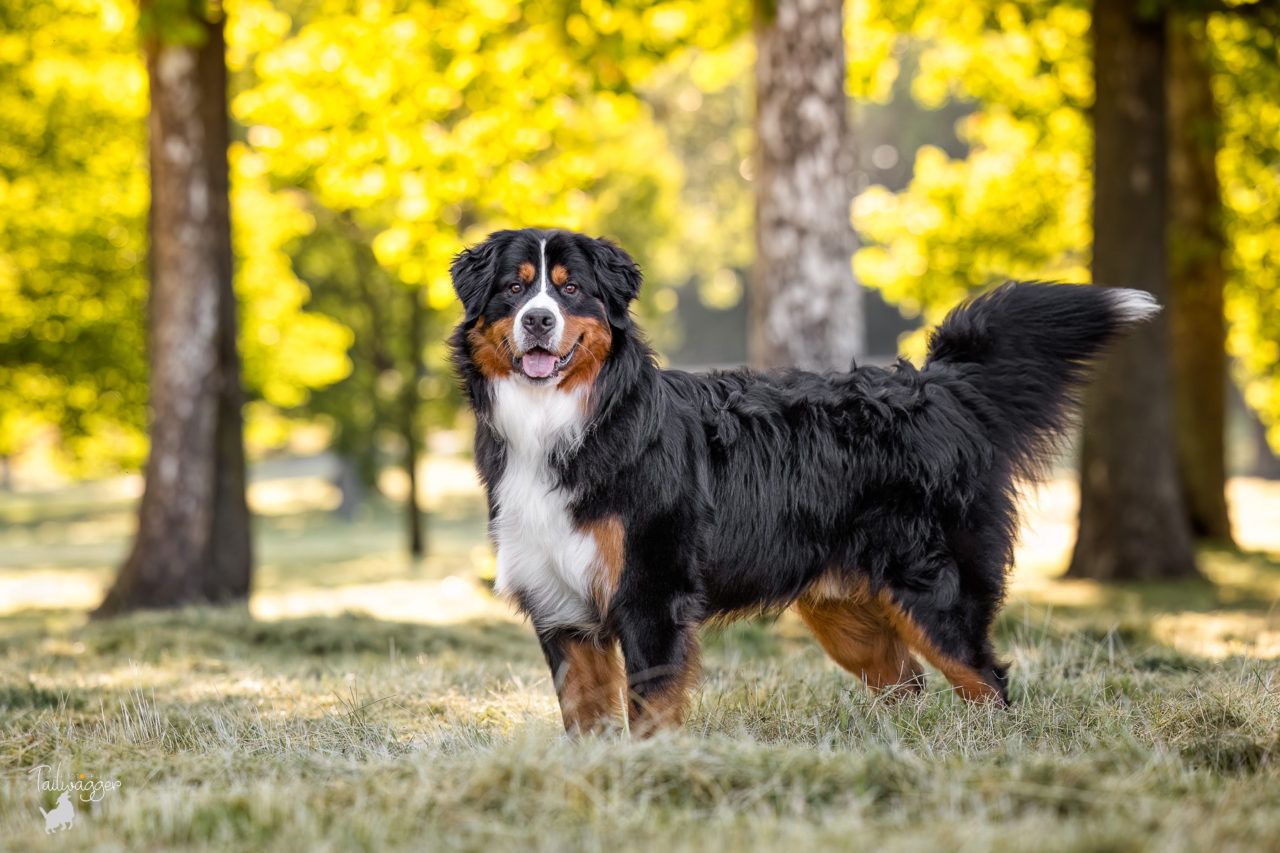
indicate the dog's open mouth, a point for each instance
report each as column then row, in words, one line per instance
column 539, row 363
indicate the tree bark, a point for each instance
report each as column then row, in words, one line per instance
column 1132, row 523
column 350, row 484
column 192, row 543
column 1265, row 463
column 410, row 403
column 1197, row 277
column 806, row 306
column 232, row 551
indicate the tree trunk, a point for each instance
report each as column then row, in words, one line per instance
column 1197, row 247
column 806, row 306
column 1132, row 523
column 350, row 485
column 409, row 408
column 192, row 543
column 1265, row 462
column 232, row 555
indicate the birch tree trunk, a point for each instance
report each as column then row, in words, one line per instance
column 806, row 306
column 1132, row 522
column 1197, row 278
column 192, row 543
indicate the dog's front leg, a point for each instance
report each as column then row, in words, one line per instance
column 662, row 662
column 588, row 678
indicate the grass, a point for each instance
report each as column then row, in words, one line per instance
column 1145, row 718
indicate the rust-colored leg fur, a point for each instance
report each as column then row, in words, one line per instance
column 973, row 683
column 590, row 685
column 859, row 636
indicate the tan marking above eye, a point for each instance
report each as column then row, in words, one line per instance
column 559, row 275
column 527, row 272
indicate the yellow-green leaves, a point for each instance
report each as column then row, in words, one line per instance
column 1020, row 203
column 73, row 207
column 73, row 203
column 285, row 350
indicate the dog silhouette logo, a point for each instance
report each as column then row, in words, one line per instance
column 90, row 790
column 61, row 816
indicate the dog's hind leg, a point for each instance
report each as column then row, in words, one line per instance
column 857, row 633
column 957, row 641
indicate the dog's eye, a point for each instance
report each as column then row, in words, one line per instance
column 570, row 289
column 516, row 288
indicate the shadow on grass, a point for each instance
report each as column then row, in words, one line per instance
column 233, row 633
column 1235, row 584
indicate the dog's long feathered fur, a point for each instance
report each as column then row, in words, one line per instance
column 890, row 492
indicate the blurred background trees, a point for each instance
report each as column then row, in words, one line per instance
column 371, row 141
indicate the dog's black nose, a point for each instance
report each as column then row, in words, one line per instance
column 538, row 320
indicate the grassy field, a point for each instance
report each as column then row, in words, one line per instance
column 1144, row 718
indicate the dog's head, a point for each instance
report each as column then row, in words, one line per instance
column 543, row 306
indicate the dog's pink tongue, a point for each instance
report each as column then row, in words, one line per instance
column 539, row 363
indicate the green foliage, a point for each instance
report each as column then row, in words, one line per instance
column 73, row 207
column 1248, row 60
column 369, row 406
column 396, row 131
column 430, row 125
column 73, row 202
column 287, row 350
column 177, row 22
column 1019, row 204
column 410, row 130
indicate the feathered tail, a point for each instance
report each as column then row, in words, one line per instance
column 1025, row 348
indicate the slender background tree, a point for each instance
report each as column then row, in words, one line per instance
column 192, row 543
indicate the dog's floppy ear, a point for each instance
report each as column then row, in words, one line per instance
column 618, row 276
column 473, row 271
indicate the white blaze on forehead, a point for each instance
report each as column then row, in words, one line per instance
column 542, row 266
column 541, row 299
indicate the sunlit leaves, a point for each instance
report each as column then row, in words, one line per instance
column 1019, row 203
column 73, row 206
column 1249, row 169
column 871, row 40
column 72, row 210
column 285, row 350
column 431, row 124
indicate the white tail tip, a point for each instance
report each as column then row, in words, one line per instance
column 1132, row 306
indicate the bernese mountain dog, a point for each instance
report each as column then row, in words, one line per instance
column 629, row 505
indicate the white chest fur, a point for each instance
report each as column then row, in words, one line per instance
column 542, row 557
